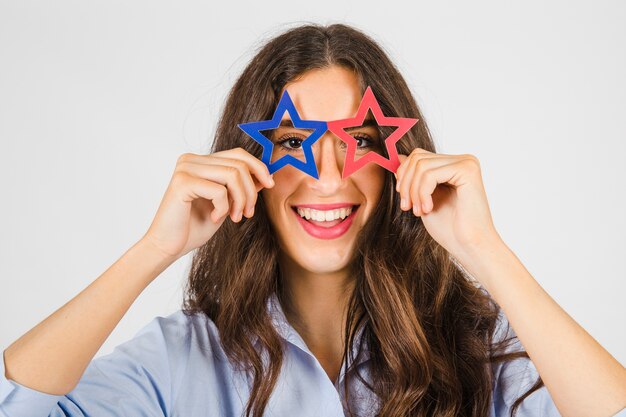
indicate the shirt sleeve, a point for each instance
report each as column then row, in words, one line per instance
column 513, row 378
column 133, row 380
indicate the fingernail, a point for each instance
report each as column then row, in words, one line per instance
column 403, row 203
column 415, row 210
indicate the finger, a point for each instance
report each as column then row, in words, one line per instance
column 228, row 176
column 251, row 183
column 422, row 165
column 255, row 165
column 401, row 168
column 404, row 183
column 248, row 182
column 406, row 177
column 216, row 193
column 404, row 164
column 428, row 179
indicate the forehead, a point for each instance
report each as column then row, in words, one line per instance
column 325, row 94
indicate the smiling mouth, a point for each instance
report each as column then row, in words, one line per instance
column 335, row 222
column 325, row 218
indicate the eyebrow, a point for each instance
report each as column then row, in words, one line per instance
column 286, row 123
column 366, row 123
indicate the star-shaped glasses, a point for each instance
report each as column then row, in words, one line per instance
column 368, row 105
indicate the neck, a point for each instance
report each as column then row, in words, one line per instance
column 315, row 304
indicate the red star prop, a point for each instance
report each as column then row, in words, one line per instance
column 403, row 125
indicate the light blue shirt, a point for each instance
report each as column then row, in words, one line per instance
column 176, row 367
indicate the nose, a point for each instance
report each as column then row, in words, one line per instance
column 329, row 166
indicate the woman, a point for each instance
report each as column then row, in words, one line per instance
column 385, row 318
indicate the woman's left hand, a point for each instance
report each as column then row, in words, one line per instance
column 447, row 192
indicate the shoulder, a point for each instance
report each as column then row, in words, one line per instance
column 162, row 355
column 178, row 334
column 165, row 346
column 179, row 326
column 192, row 354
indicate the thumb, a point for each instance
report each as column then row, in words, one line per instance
column 402, row 158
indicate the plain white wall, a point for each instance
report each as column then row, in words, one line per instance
column 98, row 99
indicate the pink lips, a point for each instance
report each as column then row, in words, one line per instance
column 325, row 206
column 332, row 232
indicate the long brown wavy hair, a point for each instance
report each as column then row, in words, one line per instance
column 428, row 325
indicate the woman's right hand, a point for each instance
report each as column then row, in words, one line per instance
column 203, row 190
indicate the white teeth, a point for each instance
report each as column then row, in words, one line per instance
column 324, row 215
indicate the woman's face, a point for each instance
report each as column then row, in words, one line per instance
column 315, row 245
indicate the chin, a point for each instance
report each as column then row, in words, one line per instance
column 325, row 261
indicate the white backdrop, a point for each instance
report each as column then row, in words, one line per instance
column 98, row 99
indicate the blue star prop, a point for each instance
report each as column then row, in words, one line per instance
column 253, row 129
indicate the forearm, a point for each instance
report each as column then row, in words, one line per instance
column 52, row 356
column 582, row 377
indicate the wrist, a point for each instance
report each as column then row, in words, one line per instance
column 486, row 261
column 159, row 259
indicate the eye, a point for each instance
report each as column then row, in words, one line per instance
column 363, row 140
column 290, row 143
column 293, row 143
